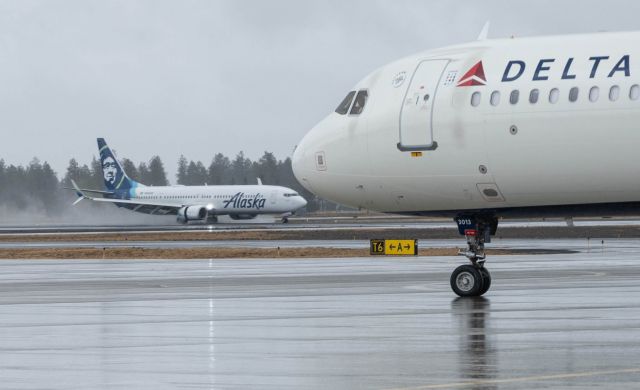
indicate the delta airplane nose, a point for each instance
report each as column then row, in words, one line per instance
column 296, row 161
column 324, row 163
column 302, row 162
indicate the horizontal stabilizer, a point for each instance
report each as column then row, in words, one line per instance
column 90, row 191
column 79, row 192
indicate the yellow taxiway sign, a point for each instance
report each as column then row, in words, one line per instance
column 394, row 247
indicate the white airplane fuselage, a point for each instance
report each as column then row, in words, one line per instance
column 189, row 203
column 223, row 199
column 430, row 139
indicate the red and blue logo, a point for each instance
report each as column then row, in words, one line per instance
column 548, row 68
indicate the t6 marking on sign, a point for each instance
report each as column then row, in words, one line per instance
column 394, row 247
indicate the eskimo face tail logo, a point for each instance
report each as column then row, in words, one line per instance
column 114, row 177
column 474, row 77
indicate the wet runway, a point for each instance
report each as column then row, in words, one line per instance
column 553, row 321
column 304, row 224
column 522, row 245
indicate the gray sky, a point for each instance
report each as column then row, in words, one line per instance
column 198, row 77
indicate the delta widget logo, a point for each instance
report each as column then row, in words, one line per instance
column 474, row 77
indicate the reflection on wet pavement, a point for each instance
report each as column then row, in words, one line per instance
column 557, row 322
column 477, row 360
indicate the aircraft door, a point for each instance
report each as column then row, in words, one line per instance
column 416, row 114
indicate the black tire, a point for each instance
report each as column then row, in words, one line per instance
column 466, row 281
column 486, row 280
column 285, row 220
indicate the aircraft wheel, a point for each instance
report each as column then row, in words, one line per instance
column 467, row 281
column 285, row 220
column 486, row 280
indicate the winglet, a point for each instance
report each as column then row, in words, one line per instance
column 259, row 181
column 81, row 195
column 484, row 34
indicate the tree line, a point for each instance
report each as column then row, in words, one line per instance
column 38, row 184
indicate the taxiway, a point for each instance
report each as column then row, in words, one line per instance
column 554, row 321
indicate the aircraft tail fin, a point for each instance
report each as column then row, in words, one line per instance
column 115, row 178
column 484, row 34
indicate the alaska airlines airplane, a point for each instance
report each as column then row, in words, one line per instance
column 533, row 127
column 190, row 203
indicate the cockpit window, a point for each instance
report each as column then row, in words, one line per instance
column 291, row 194
column 343, row 108
column 358, row 105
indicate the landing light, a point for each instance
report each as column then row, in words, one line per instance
column 209, row 207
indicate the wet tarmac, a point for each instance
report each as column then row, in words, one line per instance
column 554, row 321
column 557, row 245
column 306, row 224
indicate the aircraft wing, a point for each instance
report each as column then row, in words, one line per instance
column 149, row 207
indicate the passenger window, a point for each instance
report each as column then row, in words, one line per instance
column 495, row 98
column 573, row 94
column 359, row 103
column 614, row 93
column 554, row 96
column 534, row 96
column 634, row 92
column 515, row 96
column 475, row 99
column 594, row 94
column 343, row 108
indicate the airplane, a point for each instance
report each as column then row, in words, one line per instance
column 190, row 203
column 484, row 131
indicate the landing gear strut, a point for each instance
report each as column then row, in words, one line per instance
column 473, row 280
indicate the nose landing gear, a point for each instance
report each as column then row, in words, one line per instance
column 473, row 280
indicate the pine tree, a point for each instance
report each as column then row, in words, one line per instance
column 97, row 176
column 196, row 174
column 219, row 170
column 157, row 174
column 266, row 169
column 143, row 173
column 73, row 173
column 182, row 170
column 49, row 190
column 241, row 170
column 16, row 186
column 130, row 169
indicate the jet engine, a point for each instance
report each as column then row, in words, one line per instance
column 192, row 213
column 237, row 217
